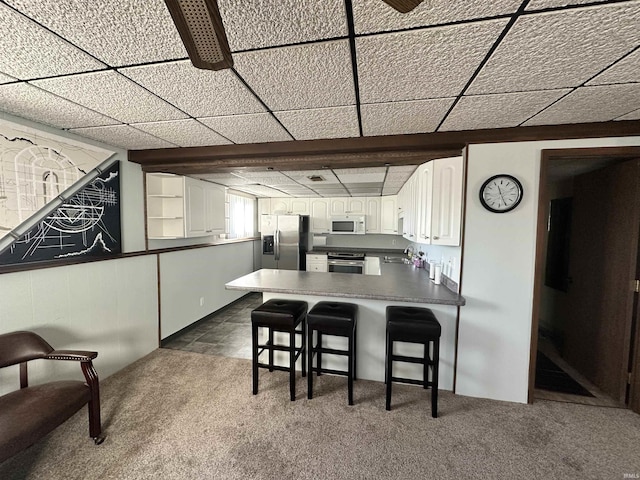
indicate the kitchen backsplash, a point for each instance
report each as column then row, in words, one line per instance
column 449, row 257
column 365, row 241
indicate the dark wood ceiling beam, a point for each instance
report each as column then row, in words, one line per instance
column 363, row 151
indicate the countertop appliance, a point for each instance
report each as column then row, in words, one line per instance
column 343, row 262
column 348, row 224
column 285, row 241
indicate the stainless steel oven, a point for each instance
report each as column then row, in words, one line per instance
column 340, row 262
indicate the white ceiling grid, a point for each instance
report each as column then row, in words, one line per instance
column 117, row 72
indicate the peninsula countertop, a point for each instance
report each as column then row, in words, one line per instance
column 397, row 283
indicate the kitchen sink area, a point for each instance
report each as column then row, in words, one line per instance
column 387, row 259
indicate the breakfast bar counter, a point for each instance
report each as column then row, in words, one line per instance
column 397, row 284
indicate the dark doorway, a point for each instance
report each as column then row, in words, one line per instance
column 587, row 257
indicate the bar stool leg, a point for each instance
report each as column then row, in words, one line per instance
column 254, row 345
column 304, row 348
column 389, row 371
column 270, row 341
column 292, row 363
column 350, row 371
column 434, row 379
column 425, row 366
column 310, row 363
column 319, row 353
column 355, row 341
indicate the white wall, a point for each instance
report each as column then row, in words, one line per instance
column 108, row 306
column 186, row 276
column 498, row 271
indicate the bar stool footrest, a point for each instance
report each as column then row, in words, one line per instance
column 402, row 358
column 331, row 371
column 331, row 351
column 412, row 381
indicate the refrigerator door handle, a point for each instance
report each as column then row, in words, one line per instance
column 277, row 245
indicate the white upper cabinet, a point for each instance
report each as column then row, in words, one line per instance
column 446, row 215
column 389, row 215
column 320, row 219
column 264, row 206
column 289, row 206
column 408, row 208
column 179, row 207
column 215, row 205
column 440, row 201
column 348, row 206
column 372, row 221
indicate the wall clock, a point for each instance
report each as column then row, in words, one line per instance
column 501, row 193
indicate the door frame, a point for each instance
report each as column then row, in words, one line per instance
column 548, row 156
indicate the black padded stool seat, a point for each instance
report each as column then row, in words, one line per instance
column 413, row 325
column 338, row 319
column 279, row 316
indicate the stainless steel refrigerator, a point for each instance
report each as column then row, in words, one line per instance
column 285, row 241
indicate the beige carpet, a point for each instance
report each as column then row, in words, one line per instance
column 181, row 415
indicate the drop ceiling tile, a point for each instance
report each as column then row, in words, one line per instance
column 6, row 78
column 626, row 70
column 302, row 176
column 402, row 168
column 394, row 183
column 118, row 32
column 200, row 93
column 635, row 115
column 396, row 177
column 281, row 22
column 564, row 48
column 377, row 16
column 362, row 176
column 344, row 171
column 111, row 94
column 390, row 191
column 266, row 177
column 302, row 76
column 30, row 102
column 261, row 190
column 336, row 192
column 225, row 179
column 540, row 4
column 123, row 136
column 498, row 110
column 363, row 185
column 365, row 194
column 253, row 128
column 394, row 118
column 420, row 64
column 184, row 133
column 332, row 122
column 30, row 51
column 591, row 104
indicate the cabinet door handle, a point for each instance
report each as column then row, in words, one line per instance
column 435, row 237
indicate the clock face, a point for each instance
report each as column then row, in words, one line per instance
column 501, row 193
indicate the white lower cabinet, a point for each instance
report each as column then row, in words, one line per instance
column 316, row 263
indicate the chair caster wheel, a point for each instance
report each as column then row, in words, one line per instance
column 98, row 440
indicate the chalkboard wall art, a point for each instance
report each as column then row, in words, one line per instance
column 86, row 225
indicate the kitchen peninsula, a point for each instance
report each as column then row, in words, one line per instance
column 397, row 284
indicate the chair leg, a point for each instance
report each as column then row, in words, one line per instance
column 292, row 363
column 350, row 369
column 254, row 357
column 310, row 363
column 434, row 379
column 95, row 426
column 389, row 371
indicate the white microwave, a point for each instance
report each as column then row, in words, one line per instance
column 348, row 224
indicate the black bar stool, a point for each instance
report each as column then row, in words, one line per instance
column 413, row 325
column 279, row 316
column 338, row 319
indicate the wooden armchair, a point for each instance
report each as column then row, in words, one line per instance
column 28, row 414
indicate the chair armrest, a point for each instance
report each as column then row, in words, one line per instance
column 77, row 355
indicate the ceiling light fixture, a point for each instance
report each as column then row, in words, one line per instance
column 200, row 26
column 403, row 6
column 316, row 178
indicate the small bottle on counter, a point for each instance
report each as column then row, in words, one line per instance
column 432, row 269
column 437, row 274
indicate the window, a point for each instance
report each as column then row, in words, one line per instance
column 242, row 216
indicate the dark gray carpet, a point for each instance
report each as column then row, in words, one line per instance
column 183, row 415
